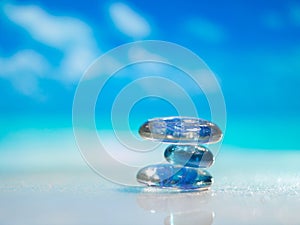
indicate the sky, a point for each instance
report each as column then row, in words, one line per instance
column 253, row 47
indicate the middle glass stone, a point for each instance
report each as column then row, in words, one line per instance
column 189, row 155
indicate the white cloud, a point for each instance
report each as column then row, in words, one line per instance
column 206, row 30
column 70, row 35
column 128, row 21
column 26, row 60
column 55, row 31
column 22, row 69
column 273, row 20
column 286, row 19
column 139, row 53
column 295, row 14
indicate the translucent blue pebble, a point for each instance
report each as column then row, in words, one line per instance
column 189, row 155
column 181, row 130
column 174, row 176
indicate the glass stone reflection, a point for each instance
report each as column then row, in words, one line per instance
column 174, row 176
column 181, row 130
column 189, row 155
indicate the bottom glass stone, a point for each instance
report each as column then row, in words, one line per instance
column 174, row 176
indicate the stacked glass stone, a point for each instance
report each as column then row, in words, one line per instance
column 186, row 155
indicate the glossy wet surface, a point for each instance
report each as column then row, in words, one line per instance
column 57, row 187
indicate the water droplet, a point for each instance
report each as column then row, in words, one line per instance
column 189, row 155
column 174, row 176
column 181, row 130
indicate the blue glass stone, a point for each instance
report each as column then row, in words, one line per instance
column 181, row 130
column 174, row 176
column 189, row 155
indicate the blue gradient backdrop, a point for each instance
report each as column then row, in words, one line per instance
column 252, row 46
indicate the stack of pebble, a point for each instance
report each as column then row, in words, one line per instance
column 186, row 156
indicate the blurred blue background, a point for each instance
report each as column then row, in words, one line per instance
column 253, row 47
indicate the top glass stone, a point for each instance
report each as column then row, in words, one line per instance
column 181, row 130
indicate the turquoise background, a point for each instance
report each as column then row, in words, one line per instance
column 253, row 47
